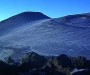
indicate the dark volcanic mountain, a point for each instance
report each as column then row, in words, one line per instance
column 21, row 19
column 32, row 31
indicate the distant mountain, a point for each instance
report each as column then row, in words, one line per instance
column 78, row 20
column 21, row 19
column 32, row 31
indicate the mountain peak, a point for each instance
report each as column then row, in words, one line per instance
column 34, row 15
column 20, row 19
column 31, row 12
column 27, row 16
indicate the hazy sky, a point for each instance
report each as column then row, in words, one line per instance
column 52, row 8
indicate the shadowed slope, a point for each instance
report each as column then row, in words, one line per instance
column 21, row 19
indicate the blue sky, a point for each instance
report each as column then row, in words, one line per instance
column 52, row 8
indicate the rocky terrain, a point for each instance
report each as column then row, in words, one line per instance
column 35, row 64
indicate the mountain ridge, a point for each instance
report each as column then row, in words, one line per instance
column 26, row 13
column 21, row 19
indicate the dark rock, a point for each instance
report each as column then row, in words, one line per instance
column 64, row 61
column 6, row 69
column 32, row 60
column 79, row 62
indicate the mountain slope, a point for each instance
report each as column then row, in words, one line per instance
column 66, row 35
column 21, row 19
